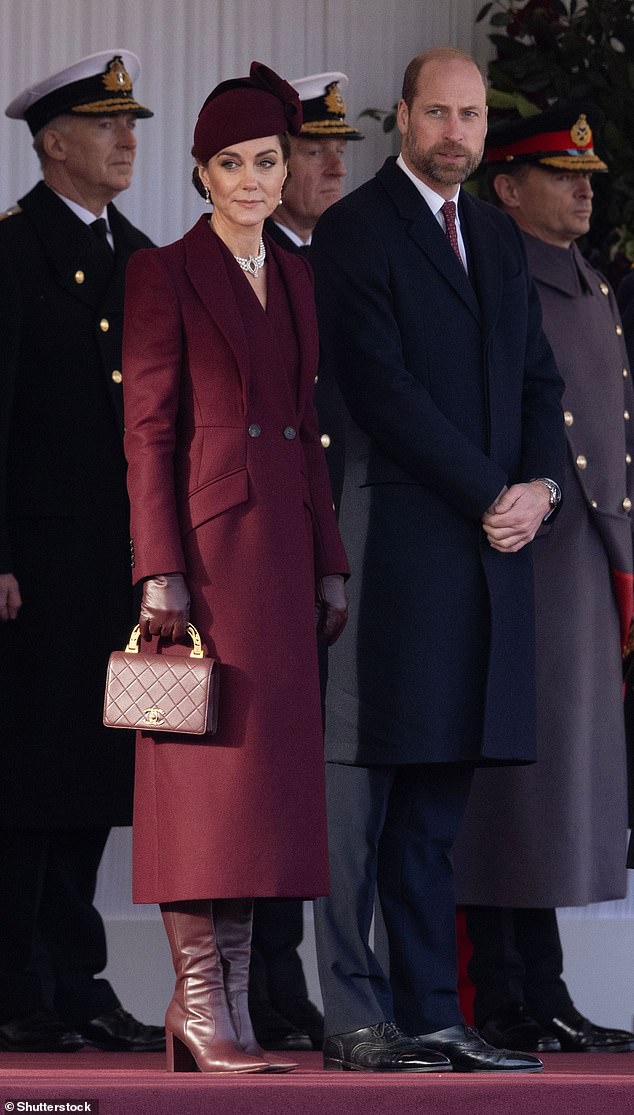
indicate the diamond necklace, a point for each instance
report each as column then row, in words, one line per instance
column 253, row 264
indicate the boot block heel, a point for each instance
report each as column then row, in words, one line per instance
column 179, row 1058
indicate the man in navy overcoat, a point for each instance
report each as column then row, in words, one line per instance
column 454, row 458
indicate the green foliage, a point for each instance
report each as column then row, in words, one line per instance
column 546, row 49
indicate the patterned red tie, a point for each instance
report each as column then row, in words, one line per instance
column 448, row 211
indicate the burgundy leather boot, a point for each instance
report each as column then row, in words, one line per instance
column 199, row 1033
column 234, row 920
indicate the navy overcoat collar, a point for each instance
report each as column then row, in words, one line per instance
column 480, row 291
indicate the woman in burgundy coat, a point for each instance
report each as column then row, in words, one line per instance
column 231, row 507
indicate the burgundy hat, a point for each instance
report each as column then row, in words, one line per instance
column 262, row 104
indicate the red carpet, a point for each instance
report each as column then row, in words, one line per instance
column 136, row 1084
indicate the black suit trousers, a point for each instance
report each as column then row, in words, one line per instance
column 391, row 830
column 517, row 958
column 52, row 938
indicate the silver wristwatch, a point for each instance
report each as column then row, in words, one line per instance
column 554, row 494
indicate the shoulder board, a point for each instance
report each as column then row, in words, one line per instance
column 10, row 212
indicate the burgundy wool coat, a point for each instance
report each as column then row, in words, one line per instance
column 228, row 485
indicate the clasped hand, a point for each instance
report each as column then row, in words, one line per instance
column 332, row 608
column 164, row 606
column 516, row 516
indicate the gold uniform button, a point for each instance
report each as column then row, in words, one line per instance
column 79, row 277
column 593, row 503
column 325, row 440
column 604, row 288
column 568, row 417
column 627, row 504
column 104, row 325
column 626, row 415
column 628, row 458
column 116, row 376
column 582, row 462
column 619, row 330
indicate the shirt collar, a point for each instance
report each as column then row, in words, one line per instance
column 297, row 240
column 84, row 214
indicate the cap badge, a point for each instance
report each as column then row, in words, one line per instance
column 580, row 132
column 116, row 78
column 334, row 101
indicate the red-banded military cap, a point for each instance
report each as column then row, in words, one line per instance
column 242, row 108
column 323, row 106
column 561, row 137
column 98, row 85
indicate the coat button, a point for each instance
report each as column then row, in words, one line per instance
column 619, row 330
column 627, row 504
column 290, row 432
column 568, row 417
column 116, row 376
column 593, row 503
column 581, row 462
column 626, row 415
column 625, row 373
column 604, row 288
column 104, row 325
column 316, row 379
column 325, row 440
column 254, row 430
column 628, row 458
column 79, row 277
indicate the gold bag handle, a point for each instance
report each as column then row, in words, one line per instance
column 197, row 647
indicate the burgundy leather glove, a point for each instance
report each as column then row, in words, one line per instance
column 164, row 606
column 332, row 608
column 10, row 599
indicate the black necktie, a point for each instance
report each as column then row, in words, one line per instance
column 100, row 229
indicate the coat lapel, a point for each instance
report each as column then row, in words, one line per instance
column 127, row 240
column 424, row 229
column 207, row 273
column 483, row 247
column 71, row 247
column 297, row 282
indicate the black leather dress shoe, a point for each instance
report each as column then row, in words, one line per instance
column 119, row 1030
column 579, row 1035
column 380, row 1048
column 273, row 1031
column 468, row 1052
column 513, row 1028
column 39, row 1032
column 305, row 1017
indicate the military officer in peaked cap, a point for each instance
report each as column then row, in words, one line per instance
column 563, row 821
column 281, row 1011
column 316, row 173
column 65, row 597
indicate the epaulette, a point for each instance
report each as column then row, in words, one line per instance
column 10, row 212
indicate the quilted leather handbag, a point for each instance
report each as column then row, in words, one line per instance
column 163, row 689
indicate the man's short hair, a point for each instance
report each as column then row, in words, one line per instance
column 440, row 54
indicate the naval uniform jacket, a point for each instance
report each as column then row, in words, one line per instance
column 63, row 513
column 453, row 392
